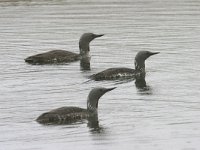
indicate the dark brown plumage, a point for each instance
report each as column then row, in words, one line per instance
column 114, row 73
column 53, row 57
column 63, row 115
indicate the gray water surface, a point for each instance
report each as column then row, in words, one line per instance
column 162, row 117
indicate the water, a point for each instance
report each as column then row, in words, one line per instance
column 165, row 116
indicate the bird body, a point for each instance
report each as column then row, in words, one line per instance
column 63, row 115
column 114, row 73
column 53, row 57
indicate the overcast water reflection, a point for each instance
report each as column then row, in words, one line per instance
column 160, row 112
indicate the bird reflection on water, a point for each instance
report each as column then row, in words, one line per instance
column 142, row 86
column 85, row 63
column 93, row 124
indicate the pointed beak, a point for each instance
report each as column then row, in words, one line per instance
column 110, row 89
column 154, row 53
column 98, row 35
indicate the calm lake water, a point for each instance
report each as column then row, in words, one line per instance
column 162, row 117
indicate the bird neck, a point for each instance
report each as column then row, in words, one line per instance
column 140, row 66
column 91, row 107
column 140, row 69
column 84, row 49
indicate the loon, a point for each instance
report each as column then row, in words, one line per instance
column 124, row 73
column 66, row 115
column 62, row 56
